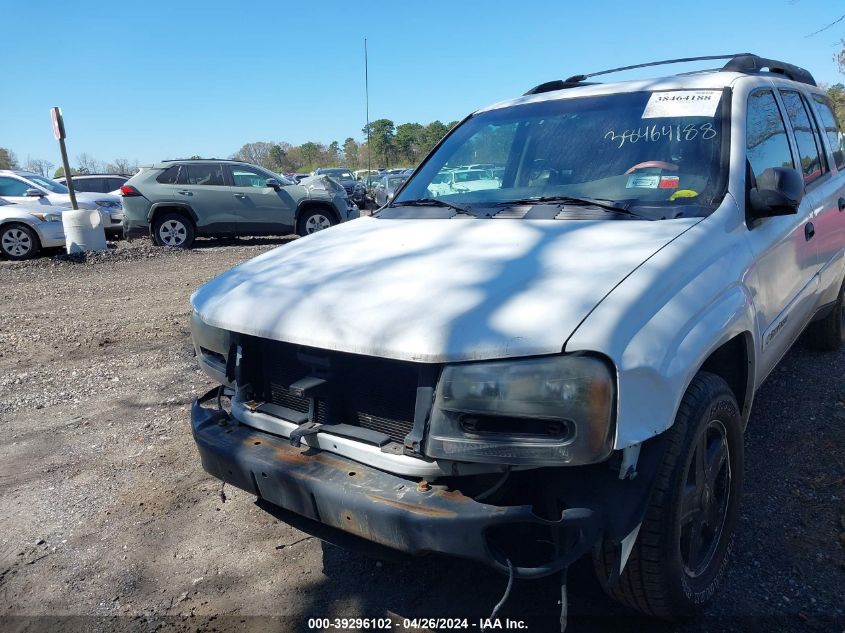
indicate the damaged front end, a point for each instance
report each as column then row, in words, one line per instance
column 530, row 522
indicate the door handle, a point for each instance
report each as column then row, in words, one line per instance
column 185, row 193
column 239, row 195
column 809, row 231
column 842, row 204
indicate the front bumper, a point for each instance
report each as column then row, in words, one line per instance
column 51, row 234
column 352, row 498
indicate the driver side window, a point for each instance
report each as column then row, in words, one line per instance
column 12, row 187
column 766, row 142
column 246, row 177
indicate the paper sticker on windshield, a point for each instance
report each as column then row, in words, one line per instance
column 677, row 103
column 643, row 181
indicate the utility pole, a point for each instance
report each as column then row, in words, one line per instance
column 367, row 98
column 59, row 133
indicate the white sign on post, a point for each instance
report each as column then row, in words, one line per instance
column 58, row 124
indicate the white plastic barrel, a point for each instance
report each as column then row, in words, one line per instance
column 83, row 231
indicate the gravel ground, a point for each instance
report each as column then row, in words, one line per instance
column 107, row 521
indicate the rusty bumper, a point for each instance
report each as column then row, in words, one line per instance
column 356, row 499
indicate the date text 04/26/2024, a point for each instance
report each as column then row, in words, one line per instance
column 385, row 624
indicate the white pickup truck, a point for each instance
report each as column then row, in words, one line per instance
column 558, row 364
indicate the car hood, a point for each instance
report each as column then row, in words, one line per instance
column 433, row 290
column 84, row 199
column 34, row 207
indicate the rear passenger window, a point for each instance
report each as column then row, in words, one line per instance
column 808, row 147
column 93, row 185
column 169, row 176
column 832, row 129
column 767, row 144
column 205, row 175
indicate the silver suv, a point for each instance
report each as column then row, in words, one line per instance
column 176, row 201
column 557, row 362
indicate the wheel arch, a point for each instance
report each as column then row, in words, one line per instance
column 167, row 207
column 733, row 362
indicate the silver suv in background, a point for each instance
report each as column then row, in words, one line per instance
column 175, row 201
column 96, row 183
column 26, row 186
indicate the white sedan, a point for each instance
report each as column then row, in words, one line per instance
column 27, row 228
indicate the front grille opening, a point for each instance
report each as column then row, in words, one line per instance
column 372, row 393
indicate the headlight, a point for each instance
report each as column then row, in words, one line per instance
column 212, row 342
column 550, row 411
column 108, row 204
column 48, row 217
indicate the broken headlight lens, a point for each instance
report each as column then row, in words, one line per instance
column 550, row 411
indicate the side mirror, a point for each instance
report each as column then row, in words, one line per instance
column 34, row 193
column 272, row 182
column 779, row 191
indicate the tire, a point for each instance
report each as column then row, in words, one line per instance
column 173, row 229
column 313, row 221
column 827, row 334
column 18, row 241
column 666, row 576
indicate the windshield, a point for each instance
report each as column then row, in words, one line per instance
column 50, row 185
column 339, row 174
column 656, row 152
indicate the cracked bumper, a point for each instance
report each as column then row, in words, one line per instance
column 351, row 498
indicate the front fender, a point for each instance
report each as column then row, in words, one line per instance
column 661, row 324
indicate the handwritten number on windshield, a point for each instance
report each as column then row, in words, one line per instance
column 655, row 133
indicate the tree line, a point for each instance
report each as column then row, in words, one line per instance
column 85, row 164
column 390, row 145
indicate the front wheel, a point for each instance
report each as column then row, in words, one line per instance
column 18, row 242
column 313, row 221
column 684, row 543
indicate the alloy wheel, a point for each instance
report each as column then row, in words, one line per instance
column 172, row 233
column 317, row 222
column 16, row 243
column 705, row 499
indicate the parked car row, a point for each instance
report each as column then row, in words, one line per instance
column 177, row 200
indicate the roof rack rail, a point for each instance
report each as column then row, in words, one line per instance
column 748, row 63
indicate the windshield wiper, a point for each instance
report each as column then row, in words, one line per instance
column 435, row 202
column 607, row 205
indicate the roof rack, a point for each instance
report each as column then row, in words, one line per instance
column 747, row 63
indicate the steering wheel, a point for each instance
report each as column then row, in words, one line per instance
column 660, row 164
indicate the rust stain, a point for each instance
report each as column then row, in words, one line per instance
column 454, row 495
column 410, row 507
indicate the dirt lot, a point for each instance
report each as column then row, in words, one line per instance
column 107, row 521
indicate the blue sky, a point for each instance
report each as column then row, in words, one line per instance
column 151, row 80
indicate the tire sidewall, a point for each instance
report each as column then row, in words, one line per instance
column 189, row 229
column 695, row 592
